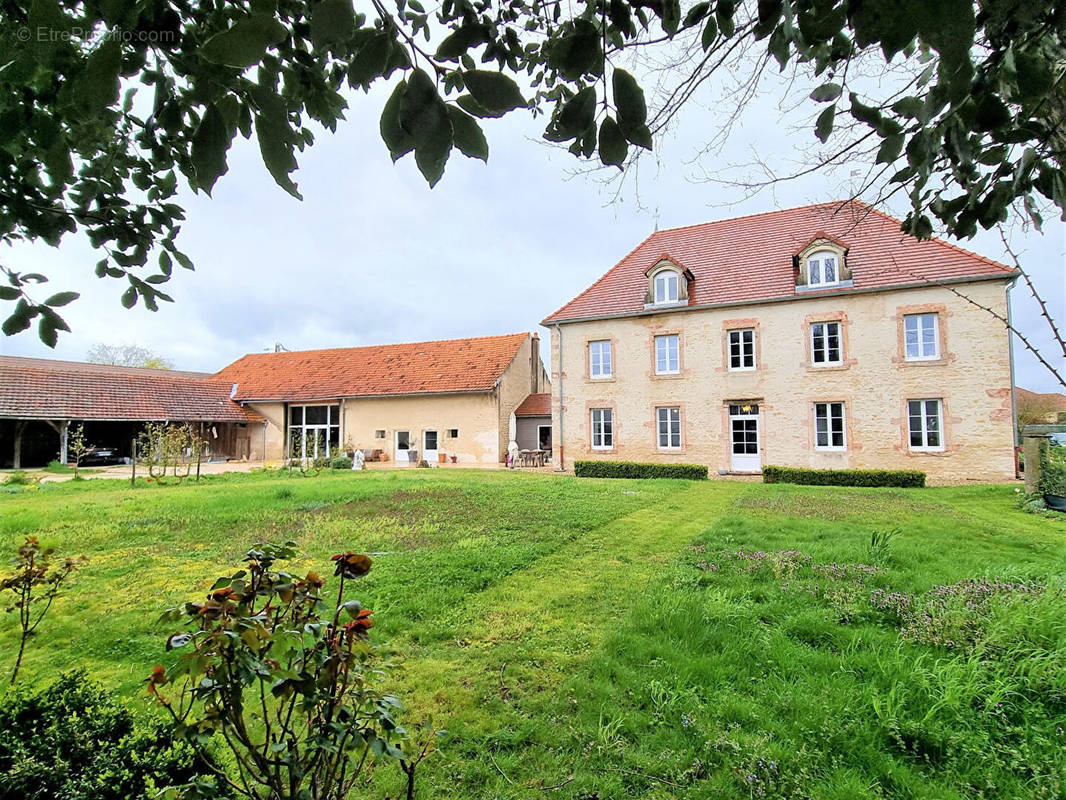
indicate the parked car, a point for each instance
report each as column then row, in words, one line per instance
column 102, row 456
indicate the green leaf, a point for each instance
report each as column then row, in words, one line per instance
column 890, row 148
column 371, row 60
column 669, row 14
column 578, row 52
column 61, row 299
column 468, row 136
column 826, row 93
column 474, row 108
column 493, row 90
column 19, row 320
column 9, row 293
column 245, row 43
column 276, row 139
column 455, row 45
column 640, row 135
column 423, row 115
column 723, row 12
column 399, row 141
column 98, row 84
column 1035, row 78
column 695, row 14
column 578, row 114
column 863, row 113
column 209, row 145
column 332, row 21
column 710, row 33
column 613, row 145
column 824, row 126
column 129, row 298
column 629, row 98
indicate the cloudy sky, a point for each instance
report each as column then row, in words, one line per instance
column 373, row 256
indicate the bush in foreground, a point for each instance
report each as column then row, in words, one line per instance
column 900, row 478
column 633, row 469
column 73, row 740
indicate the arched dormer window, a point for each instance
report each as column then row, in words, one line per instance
column 665, row 286
column 822, row 264
column 823, row 268
column 668, row 283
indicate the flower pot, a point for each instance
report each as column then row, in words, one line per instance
column 442, row 458
column 1055, row 501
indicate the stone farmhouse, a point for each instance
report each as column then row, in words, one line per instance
column 816, row 337
column 447, row 401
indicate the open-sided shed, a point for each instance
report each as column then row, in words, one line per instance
column 41, row 398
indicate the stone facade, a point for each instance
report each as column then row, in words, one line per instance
column 971, row 377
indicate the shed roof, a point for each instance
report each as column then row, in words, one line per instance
column 535, row 405
column 439, row 367
column 34, row 388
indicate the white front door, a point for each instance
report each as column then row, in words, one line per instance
column 744, row 438
column 403, row 447
column 429, row 446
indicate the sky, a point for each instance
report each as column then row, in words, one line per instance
column 373, row 256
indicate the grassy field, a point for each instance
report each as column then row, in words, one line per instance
column 600, row 639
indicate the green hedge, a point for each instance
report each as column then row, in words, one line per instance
column 905, row 478
column 632, row 469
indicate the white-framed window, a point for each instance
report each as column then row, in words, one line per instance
column 742, row 349
column 667, row 354
column 379, row 433
column 823, row 268
column 925, row 424
column 668, row 423
column 829, row 429
column 602, row 429
column 600, row 359
column 825, row 343
column 665, row 286
column 921, row 337
column 314, row 430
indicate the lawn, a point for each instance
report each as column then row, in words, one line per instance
column 601, row 639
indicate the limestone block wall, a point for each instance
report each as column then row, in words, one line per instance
column 971, row 378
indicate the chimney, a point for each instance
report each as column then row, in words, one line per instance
column 534, row 363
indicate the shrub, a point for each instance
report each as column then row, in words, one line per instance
column 18, row 478
column 633, row 469
column 341, row 462
column 1053, row 478
column 903, row 478
column 75, row 741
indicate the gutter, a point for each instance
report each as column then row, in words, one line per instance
column 787, row 299
column 334, row 398
column 559, row 333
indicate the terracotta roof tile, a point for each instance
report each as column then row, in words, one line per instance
column 33, row 388
column 536, row 405
column 750, row 259
column 452, row 365
column 1052, row 400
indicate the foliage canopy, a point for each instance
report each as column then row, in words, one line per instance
column 106, row 107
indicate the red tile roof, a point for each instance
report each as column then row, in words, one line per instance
column 750, row 259
column 452, row 365
column 536, row 405
column 34, row 388
column 1053, row 401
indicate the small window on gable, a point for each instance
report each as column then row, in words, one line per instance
column 665, row 286
column 453, row 433
column 823, row 268
column 379, row 434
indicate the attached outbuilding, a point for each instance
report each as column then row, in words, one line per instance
column 40, row 399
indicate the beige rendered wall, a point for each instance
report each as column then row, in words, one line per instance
column 972, row 377
column 474, row 414
column 275, row 431
column 524, row 376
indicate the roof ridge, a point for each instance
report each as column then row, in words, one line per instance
column 500, row 336
column 841, row 203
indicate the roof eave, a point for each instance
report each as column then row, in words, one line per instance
column 333, row 398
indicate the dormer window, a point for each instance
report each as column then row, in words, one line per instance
column 668, row 283
column 822, row 269
column 822, row 264
column 665, row 286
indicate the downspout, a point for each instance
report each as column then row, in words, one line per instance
column 1015, row 441
column 559, row 334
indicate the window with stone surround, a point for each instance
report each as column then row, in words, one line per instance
column 826, row 347
column 602, row 427
column 921, row 337
column 830, row 432
column 600, row 359
column 668, row 422
column 667, row 354
column 742, row 349
column 925, row 424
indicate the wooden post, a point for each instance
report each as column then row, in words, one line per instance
column 16, row 460
column 133, row 461
column 64, row 430
column 199, row 449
